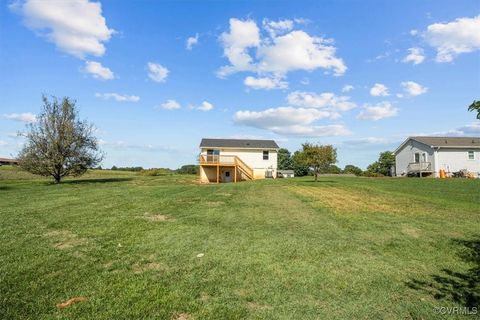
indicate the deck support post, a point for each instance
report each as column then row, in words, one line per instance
column 235, row 175
column 218, row 174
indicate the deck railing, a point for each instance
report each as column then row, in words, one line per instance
column 216, row 159
column 419, row 166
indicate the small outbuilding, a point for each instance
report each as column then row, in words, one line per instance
column 285, row 174
column 6, row 161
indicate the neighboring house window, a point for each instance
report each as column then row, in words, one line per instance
column 424, row 157
column 265, row 155
column 416, row 158
column 471, row 155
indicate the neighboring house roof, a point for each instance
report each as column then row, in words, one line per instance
column 445, row 142
column 238, row 143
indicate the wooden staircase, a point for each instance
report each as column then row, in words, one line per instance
column 242, row 167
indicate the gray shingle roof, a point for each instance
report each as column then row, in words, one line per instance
column 238, row 143
column 449, row 141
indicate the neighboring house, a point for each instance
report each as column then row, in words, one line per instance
column 5, row 161
column 232, row 160
column 423, row 156
column 285, row 173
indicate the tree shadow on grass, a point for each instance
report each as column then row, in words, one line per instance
column 96, row 180
column 459, row 287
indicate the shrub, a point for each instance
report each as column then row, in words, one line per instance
column 156, row 172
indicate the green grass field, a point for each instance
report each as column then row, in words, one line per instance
column 342, row 248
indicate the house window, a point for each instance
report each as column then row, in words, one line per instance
column 417, row 155
column 212, row 155
column 471, row 155
column 265, row 155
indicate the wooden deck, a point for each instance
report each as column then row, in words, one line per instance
column 221, row 161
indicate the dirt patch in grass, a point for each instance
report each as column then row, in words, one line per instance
column 157, row 217
column 411, row 231
column 65, row 239
column 183, row 316
column 345, row 200
column 144, row 267
column 214, row 203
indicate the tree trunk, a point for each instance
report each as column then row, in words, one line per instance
column 316, row 175
column 57, row 178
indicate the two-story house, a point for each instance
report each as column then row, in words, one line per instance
column 233, row 160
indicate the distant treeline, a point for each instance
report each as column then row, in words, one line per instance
column 379, row 168
column 186, row 169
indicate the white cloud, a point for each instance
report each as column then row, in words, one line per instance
column 347, row 88
column 413, row 32
column 470, row 129
column 290, row 121
column 191, row 41
column 277, row 27
column 325, row 100
column 367, row 141
column 276, row 54
column 415, row 56
column 282, row 116
column 242, row 35
column 379, row 90
column 26, row 117
column 118, row 97
column 157, row 72
column 205, row 106
column 170, row 105
column 265, row 83
column 3, row 143
column 313, row 131
column 98, row 71
column 75, row 26
column 413, row 89
column 379, row 111
column 454, row 38
column 297, row 50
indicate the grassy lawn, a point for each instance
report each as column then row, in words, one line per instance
column 342, row 248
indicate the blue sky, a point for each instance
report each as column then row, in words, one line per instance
column 155, row 77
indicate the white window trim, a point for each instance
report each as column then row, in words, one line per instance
column 420, row 156
column 468, row 155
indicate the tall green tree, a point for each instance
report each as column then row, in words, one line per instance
column 299, row 168
column 475, row 106
column 318, row 157
column 384, row 164
column 285, row 161
column 58, row 144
